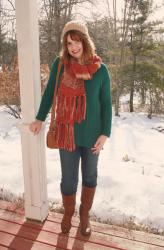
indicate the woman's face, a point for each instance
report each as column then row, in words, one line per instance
column 75, row 48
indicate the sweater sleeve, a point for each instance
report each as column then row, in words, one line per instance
column 47, row 98
column 106, row 104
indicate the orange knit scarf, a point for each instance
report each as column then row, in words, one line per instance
column 71, row 100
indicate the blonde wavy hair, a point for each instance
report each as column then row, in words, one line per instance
column 88, row 46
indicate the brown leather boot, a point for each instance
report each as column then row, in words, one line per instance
column 87, row 196
column 69, row 202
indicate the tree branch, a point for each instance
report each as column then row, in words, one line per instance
column 10, row 1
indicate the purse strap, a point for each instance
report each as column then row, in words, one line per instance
column 55, row 95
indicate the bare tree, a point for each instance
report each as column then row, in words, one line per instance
column 54, row 14
column 120, row 35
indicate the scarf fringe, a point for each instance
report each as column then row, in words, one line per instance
column 64, row 136
column 71, row 108
column 74, row 110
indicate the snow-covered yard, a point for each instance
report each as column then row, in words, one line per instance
column 131, row 170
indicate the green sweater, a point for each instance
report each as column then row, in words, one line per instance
column 99, row 108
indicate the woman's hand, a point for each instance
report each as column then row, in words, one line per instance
column 99, row 144
column 35, row 127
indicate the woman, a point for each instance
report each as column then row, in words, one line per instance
column 83, row 118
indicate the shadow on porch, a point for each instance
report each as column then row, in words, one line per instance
column 20, row 234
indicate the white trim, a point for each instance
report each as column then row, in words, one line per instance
column 33, row 147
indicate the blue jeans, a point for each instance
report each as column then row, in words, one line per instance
column 70, row 169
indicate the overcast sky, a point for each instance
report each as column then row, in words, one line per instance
column 100, row 8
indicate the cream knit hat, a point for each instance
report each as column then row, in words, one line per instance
column 75, row 25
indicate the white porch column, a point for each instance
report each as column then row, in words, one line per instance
column 33, row 147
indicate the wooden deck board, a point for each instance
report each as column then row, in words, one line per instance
column 15, row 242
column 117, row 231
column 3, row 248
column 19, row 234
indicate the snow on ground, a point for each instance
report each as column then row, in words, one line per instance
column 131, row 169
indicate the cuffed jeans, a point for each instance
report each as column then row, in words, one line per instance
column 70, row 169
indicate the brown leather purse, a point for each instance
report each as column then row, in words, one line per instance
column 51, row 141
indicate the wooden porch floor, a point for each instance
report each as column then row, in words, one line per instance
column 17, row 233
